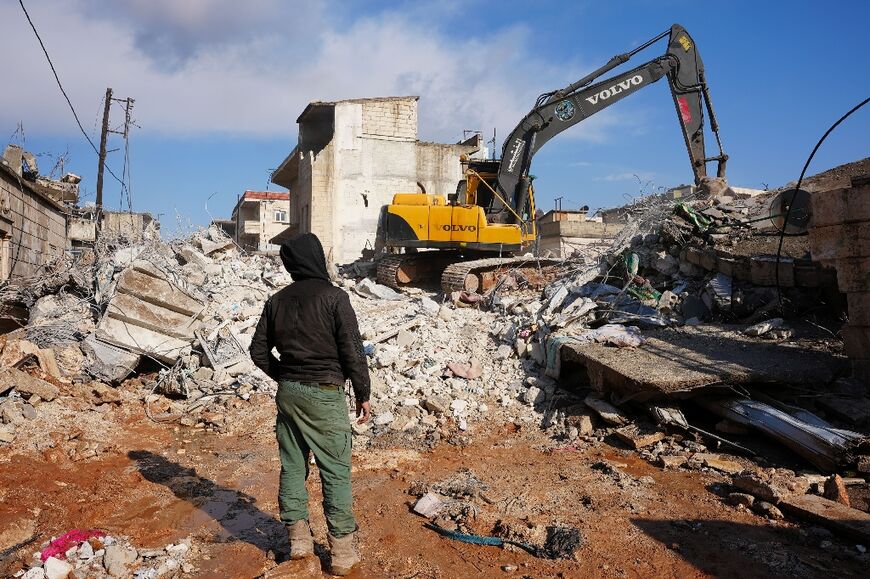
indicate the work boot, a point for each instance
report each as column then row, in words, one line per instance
column 301, row 541
column 344, row 555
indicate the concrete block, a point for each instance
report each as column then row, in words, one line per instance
column 837, row 206
column 857, row 341
column 853, row 274
column 708, row 259
column 763, row 268
column 840, row 241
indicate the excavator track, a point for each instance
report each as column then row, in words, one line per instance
column 479, row 275
column 456, row 272
column 404, row 269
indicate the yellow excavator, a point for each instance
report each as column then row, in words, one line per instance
column 472, row 235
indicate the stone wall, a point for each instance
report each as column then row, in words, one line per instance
column 840, row 238
column 32, row 228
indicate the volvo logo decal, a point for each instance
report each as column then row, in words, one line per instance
column 565, row 111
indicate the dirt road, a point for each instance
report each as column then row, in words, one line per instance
column 160, row 483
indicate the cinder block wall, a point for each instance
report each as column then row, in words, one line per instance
column 36, row 228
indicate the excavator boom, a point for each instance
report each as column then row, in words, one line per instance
column 557, row 111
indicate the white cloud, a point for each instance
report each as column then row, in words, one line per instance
column 221, row 66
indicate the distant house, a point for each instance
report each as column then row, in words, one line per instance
column 258, row 217
column 351, row 158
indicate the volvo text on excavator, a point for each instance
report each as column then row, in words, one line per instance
column 479, row 230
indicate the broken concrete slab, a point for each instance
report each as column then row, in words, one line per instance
column 371, row 289
column 835, row 517
column 142, row 340
column 209, row 246
column 27, row 385
column 608, row 413
column 149, row 315
column 107, row 362
column 674, row 361
column 716, row 462
column 149, row 287
column 15, row 351
column 639, row 435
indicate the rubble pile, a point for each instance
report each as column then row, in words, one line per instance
column 178, row 316
column 93, row 553
column 441, row 366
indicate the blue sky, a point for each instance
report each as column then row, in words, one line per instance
column 218, row 85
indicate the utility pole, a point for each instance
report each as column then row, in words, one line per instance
column 103, row 137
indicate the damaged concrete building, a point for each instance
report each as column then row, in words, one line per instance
column 351, row 158
column 33, row 218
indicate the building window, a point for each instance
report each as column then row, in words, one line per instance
column 280, row 216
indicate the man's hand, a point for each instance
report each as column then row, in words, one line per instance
column 363, row 412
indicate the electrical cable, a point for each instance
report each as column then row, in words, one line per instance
column 68, row 102
column 797, row 188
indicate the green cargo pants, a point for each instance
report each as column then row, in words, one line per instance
column 314, row 417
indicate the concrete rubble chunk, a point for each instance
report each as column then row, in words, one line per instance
column 210, row 246
column 765, row 490
column 716, row 462
column 7, row 433
column 27, row 385
column 639, row 435
column 108, row 362
column 428, row 505
column 744, row 499
column 608, row 413
column 118, row 560
column 470, row 371
column 762, row 328
column 16, row 351
column 57, row 568
column 835, row 490
column 373, row 290
column 832, row 515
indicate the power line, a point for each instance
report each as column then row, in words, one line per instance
column 68, row 101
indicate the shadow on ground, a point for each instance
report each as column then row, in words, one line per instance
column 234, row 510
column 728, row 549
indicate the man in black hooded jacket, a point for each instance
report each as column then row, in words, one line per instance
column 313, row 327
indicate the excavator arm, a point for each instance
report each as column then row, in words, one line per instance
column 559, row 110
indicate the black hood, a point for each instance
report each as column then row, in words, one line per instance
column 303, row 257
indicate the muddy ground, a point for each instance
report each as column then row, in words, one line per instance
column 159, row 483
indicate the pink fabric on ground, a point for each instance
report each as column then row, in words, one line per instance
column 62, row 544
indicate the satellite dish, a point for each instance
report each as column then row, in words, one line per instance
column 794, row 203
